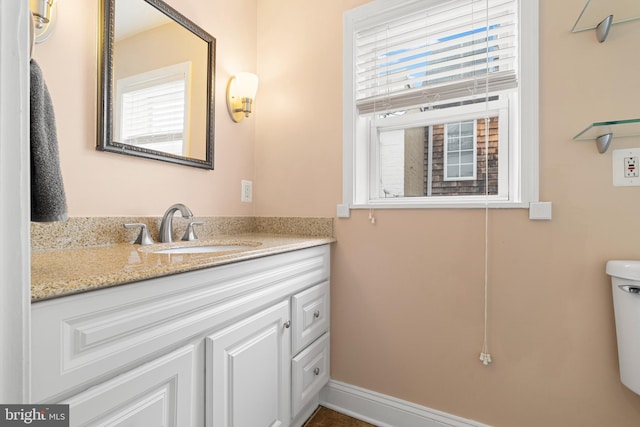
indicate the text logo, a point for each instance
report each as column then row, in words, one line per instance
column 34, row 415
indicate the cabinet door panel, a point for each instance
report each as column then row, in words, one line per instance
column 248, row 371
column 159, row 393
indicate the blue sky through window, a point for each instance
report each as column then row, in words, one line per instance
column 396, row 60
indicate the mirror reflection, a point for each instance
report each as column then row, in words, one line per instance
column 157, row 88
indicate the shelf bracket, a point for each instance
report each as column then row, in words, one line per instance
column 602, row 30
column 603, row 142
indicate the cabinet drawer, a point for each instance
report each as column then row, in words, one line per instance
column 310, row 372
column 310, row 312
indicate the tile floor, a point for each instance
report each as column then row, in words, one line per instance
column 324, row 417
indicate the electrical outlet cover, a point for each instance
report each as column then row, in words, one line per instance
column 631, row 167
column 247, row 191
column 620, row 160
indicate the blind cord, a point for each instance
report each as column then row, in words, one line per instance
column 485, row 356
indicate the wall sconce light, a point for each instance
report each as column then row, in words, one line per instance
column 44, row 12
column 241, row 91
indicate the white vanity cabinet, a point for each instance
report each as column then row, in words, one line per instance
column 244, row 345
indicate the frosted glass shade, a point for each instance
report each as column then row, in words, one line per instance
column 246, row 85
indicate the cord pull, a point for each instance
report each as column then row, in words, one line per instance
column 485, row 358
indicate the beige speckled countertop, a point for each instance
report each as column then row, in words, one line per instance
column 61, row 272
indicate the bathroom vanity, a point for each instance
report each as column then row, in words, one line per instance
column 245, row 343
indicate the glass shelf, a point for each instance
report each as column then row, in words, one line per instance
column 595, row 11
column 603, row 132
column 619, row 129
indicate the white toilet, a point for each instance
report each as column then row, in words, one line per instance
column 625, row 282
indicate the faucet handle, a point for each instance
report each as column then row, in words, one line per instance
column 190, row 233
column 143, row 238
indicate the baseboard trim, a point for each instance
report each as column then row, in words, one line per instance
column 385, row 411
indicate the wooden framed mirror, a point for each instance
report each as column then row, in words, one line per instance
column 156, row 85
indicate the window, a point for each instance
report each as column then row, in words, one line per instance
column 460, row 151
column 152, row 109
column 440, row 104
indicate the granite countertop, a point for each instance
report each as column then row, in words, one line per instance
column 61, row 272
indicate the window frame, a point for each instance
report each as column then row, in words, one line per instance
column 524, row 157
column 367, row 187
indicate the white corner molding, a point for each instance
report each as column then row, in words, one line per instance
column 540, row 211
column 343, row 211
column 386, row 411
column 15, row 296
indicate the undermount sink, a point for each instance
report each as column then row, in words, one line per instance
column 202, row 249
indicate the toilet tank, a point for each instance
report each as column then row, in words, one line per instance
column 625, row 284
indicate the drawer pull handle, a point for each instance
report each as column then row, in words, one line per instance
column 316, row 314
column 287, row 324
column 316, row 371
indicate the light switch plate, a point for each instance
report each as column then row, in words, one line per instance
column 247, row 191
column 619, row 164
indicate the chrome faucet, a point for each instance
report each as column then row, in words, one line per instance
column 166, row 227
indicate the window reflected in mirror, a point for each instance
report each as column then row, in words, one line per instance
column 151, row 109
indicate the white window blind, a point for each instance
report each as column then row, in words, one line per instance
column 154, row 114
column 452, row 50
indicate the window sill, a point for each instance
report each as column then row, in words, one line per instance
column 537, row 210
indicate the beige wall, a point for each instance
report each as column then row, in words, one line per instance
column 407, row 292
column 104, row 184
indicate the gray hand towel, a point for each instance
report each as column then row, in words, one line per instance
column 48, row 201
